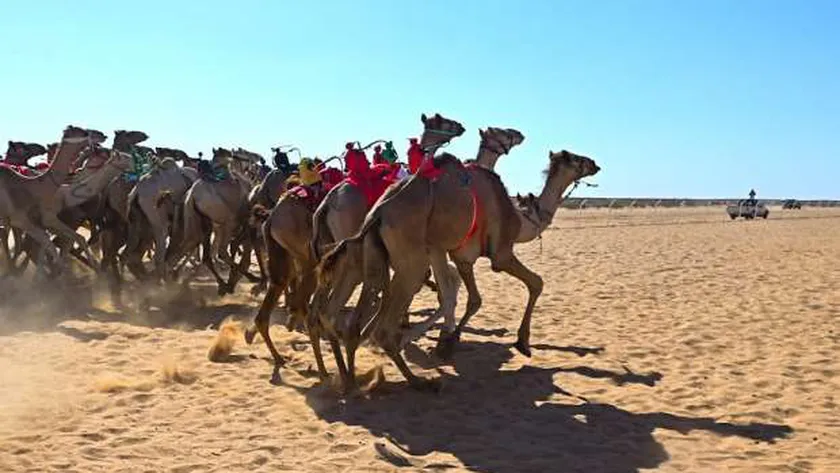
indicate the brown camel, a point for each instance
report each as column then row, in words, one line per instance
column 265, row 194
column 79, row 200
column 21, row 198
column 165, row 180
column 465, row 212
column 494, row 143
column 18, row 153
column 217, row 207
column 343, row 209
column 114, row 226
column 288, row 235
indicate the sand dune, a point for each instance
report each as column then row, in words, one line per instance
column 665, row 339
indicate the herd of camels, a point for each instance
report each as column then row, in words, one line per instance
column 315, row 240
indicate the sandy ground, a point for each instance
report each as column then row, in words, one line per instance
column 665, row 339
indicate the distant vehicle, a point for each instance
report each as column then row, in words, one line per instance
column 791, row 204
column 747, row 208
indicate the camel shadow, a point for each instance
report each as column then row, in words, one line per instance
column 491, row 421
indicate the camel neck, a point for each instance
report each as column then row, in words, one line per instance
column 85, row 188
column 433, row 139
column 486, row 157
column 68, row 152
column 551, row 196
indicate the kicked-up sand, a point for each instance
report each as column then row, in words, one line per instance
column 665, row 340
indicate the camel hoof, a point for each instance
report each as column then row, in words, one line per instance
column 250, row 333
column 276, row 379
column 522, row 347
column 445, row 347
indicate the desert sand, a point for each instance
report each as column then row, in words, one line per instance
column 665, row 340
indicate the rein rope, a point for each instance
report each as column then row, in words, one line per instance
column 540, row 211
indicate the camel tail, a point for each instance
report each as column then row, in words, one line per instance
column 258, row 215
column 278, row 258
column 178, row 230
column 136, row 222
column 131, row 202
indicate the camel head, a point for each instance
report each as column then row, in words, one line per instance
column 19, row 152
column 173, row 153
column 438, row 130
column 52, row 149
column 245, row 155
column 500, row 140
column 77, row 135
column 96, row 137
column 567, row 167
column 96, row 157
column 124, row 139
column 222, row 156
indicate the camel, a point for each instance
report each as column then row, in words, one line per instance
column 343, row 209
column 114, row 225
column 18, row 153
column 265, row 194
column 214, row 206
column 165, row 180
column 292, row 255
column 22, row 198
column 494, row 143
column 79, row 200
column 466, row 213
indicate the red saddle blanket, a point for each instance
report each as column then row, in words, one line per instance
column 25, row 171
column 373, row 181
column 310, row 195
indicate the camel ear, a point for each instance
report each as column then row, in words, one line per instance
column 481, row 133
column 550, row 153
column 423, row 118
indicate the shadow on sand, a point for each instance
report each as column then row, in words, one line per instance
column 500, row 421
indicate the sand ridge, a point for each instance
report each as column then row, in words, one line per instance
column 665, row 339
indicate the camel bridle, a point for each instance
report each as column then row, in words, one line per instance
column 505, row 147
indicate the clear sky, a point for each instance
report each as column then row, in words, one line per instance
column 690, row 98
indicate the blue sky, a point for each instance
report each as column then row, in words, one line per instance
column 672, row 98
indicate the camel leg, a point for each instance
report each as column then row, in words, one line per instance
column 18, row 236
column 262, row 323
column 259, row 250
column 402, row 289
column 357, row 321
column 63, row 230
column 159, row 226
column 465, row 270
column 279, row 270
column 297, row 304
column 447, row 342
column 534, row 282
column 47, row 249
column 220, row 253
column 448, row 285
column 5, row 248
column 429, row 283
column 110, row 263
column 207, row 257
column 408, row 276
